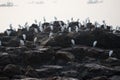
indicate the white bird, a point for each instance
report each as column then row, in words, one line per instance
column 72, row 19
column 44, row 19
column 94, row 43
column 76, row 29
column 22, row 43
column 104, row 24
column 68, row 21
column 60, row 23
column 51, row 27
column 110, row 53
column 50, row 34
column 35, row 30
column 35, row 39
column 28, row 28
column 78, row 20
column 69, row 29
column 88, row 20
column 79, row 24
column 62, row 29
column 10, row 26
column 20, row 26
column 35, row 21
column 0, row 43
column 41, row 28
column 55, row 18
column 24, row 36
column 8, row 32
column 40, row 24
column 85, row 24
column 73, row 42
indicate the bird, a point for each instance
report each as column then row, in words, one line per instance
column 104, row 24
column 55, row 18
column 60, row 23
column 72, row 19
column 79, row 24
column 0, row 43
column 50, row 34
column 44, row 19
column 69, row 29
column 22, row 43
column 10, row 26
column 73, row 42
column 85, row 24
column 35, row 39
column 35, row 30
column 51, row 27
column 35, row 21
column 110, row 53
column 20, row 26
column 76, row 29
column 62, row 29
column 94, row 43
column 8, row 32
column 41, row 28
column 24, row 36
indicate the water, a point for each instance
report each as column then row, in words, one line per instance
column 62, row 9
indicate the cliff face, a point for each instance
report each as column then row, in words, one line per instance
column 59, row 51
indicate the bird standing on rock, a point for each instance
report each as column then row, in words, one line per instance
column 69, row 29
column 22, row 43
column 73, row 42
column 8, row 32
column 110, row 53
column 35, row 39
column 94, row 43
column 0, row 43
column 24, row 36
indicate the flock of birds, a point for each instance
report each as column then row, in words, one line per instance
column 63, row 27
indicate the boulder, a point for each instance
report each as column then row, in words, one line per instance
column 31, row 72
column 64, row 56
column 10, row 70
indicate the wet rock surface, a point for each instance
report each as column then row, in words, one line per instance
column 60, row 51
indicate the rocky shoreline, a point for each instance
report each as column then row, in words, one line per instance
column 60, row 51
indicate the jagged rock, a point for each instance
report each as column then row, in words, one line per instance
column 10, row 70
column 64, row 56
column 115, row 77
column 92, row 70
column 49, row 70
column 31, row 72
column 70, row 73
column 4, row 78
column 112, row 61
column 38, row 56
column 100, row 78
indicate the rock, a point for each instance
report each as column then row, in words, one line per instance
column 100, row 78
column 115, row 77
column 38, row 56
column 4, row 78
column 112, row 61
column 70, row 73
column 10, row 70
column 60, row 40
column 64, row 56
column 49, row 70
column 30, row 72
column 92, row 70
